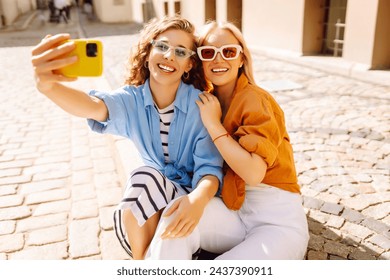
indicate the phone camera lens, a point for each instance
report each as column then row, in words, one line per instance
column 91, row 49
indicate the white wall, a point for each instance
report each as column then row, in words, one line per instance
column 108, row 12
column 13, row 8
column 278, row 24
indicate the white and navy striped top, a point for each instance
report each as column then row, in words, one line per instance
column 166, row 116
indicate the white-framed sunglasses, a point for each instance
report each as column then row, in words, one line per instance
column 228, row 52
column 163, row 47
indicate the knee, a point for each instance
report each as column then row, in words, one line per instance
column 144, row 175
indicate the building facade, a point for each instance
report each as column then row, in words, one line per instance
column 11, row 9
column 356, row 30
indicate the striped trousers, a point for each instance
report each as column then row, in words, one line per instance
column 147, row 192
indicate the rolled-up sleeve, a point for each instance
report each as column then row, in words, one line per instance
column 259, row 132
column 207, row 160
column 116, row 121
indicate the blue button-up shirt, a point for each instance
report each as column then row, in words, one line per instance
column 132, row 114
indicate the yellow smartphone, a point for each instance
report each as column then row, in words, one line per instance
column 90, row 59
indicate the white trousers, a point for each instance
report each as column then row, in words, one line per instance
column 271, row 225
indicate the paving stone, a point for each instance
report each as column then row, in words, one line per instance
column 8, row 190
column 104, row 165
column 385, row 256
column 357, row 230
column 11, row 242
column 106, row 180
column 43, row 186
column 47, row 196
column 55, row 251
column 372, row 248
column 352, row 215
column 316, row 255
column 98, row 153
column 332, row 208
column 335, row 222
column 380, row 241
column 80, row 151
column 331, row 234
column 40, row 169
column 359, row 254
column 377, row 226
column 47, row 235
column 84, row 238
column 111, row 248
column 10, row 172
column 312, row 203
column 378, row 211
column 316, row 242
column 106, row 217
column 82, row 177
column 109, row 196
column 33, row 223
column 11, row 201
column 83, row 192
column 336, row 248
column 319, row 216
column 54, row 207
column 315, row 227
column 7, row 227
column 13, row 213
column 55, row 174
column 84, row 209
column 15, row 180
column 357, row 203
column 81, row 163
column 52, row 159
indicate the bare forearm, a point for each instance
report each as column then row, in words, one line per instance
column 206, row 189
column 77, row 102
column 250, row 167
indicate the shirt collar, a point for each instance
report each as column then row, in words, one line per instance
column 181, row 96
column 242, row 82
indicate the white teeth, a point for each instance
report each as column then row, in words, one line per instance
column 216, row 70
column 166, row 68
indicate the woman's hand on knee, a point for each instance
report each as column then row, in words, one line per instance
column 186, row 216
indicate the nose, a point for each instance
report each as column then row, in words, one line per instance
column 218, row 57
column 169, row 54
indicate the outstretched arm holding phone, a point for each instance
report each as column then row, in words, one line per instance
column 49, row 56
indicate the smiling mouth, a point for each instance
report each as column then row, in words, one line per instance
column 219, row 70
column 166, row 68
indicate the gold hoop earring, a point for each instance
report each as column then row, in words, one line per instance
column 186, row 75
column 146, row 64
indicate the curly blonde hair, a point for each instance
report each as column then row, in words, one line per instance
column 138, row 73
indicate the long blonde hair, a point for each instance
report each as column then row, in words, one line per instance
column 210, row 26
column 138, row 72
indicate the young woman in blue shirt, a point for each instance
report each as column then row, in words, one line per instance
column 164, row 73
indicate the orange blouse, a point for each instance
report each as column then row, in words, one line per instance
column 256, row 121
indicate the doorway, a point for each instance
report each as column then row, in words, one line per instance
column 334, row 27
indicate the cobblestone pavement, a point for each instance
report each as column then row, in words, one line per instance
column 59, row 182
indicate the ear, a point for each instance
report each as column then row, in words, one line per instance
column 189, row 67
column 242, row 62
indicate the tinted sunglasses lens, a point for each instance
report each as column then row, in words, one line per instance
column 230, row 52
column 208, row 53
